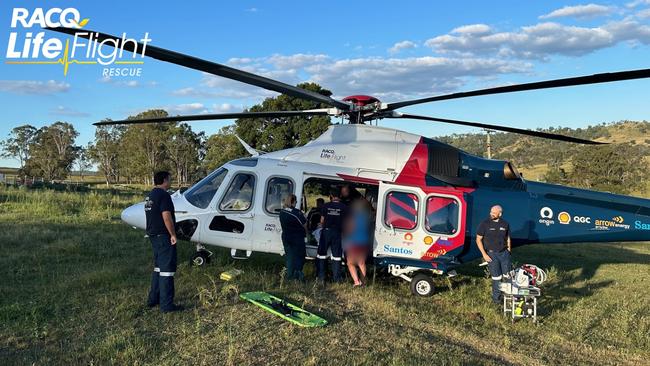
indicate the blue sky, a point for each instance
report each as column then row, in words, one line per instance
column 393, row 50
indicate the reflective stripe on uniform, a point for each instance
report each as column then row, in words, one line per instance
column 338, row 259
column 498, row 278
column 167, row 274
column 156, row 269
column 321, row 256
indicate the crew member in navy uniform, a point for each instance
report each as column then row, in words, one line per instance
column 493, row 240
column 159, row 210
column 333, row 216
column 294, row 235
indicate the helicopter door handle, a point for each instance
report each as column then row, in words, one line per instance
column 392, row 229
column 247, row 216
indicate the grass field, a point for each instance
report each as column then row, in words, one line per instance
column 75, row 280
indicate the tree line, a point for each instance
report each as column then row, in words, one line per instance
column 132, row 153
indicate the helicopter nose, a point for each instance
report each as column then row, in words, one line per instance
column 134, row 216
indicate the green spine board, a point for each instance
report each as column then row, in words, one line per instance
column 261, row 300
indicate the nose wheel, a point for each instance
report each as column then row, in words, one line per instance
column 201, row 257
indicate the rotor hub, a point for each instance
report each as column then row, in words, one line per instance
column 361, row 100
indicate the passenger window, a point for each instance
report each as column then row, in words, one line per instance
column 239, row 196
column 401, row 210
column 276, row 189
column 442, row 215
column 201, row 193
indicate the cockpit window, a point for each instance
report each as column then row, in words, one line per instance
column 201, row 193
column 239, row 196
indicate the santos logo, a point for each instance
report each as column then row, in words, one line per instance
column 34, row 48
column 396, row 250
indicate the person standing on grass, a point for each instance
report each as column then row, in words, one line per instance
column 294, row 234
column 332, row 218
column 493, row 240
column 357, row 240
column 161, row 221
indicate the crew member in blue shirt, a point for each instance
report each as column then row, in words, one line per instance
column 159, row 212
column 493, row 240
column 294, row 232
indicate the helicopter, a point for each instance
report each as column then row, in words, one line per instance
column 429, row 196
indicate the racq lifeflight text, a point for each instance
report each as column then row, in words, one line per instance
column 28, row 46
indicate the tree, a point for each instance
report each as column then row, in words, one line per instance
column 143, row 149
column 53, row 151
column 83, row 161
column 615, row 168
column 281, row 133
column 18, row 144
column 105, row 151
column 222, row 147
column 185, row 150
column 557, row 175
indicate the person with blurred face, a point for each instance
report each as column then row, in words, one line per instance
column 356, row 240
column 161, row 222
column 294, row 231
column 493, row 240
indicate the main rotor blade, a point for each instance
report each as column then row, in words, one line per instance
column 546, row 135
column 204, row 117
column 557, row 83
column 206, row 66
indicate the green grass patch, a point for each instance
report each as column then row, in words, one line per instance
column 75, row 281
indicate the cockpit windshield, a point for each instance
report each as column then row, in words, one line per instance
column 201, row 193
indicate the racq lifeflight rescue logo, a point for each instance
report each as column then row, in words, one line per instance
column 30, row 44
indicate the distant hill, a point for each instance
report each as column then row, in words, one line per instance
column 533, row 156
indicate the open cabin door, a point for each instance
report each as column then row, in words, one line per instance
column 418, row 225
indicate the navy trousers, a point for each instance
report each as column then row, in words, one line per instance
column 329, row 239
column 162, row 278
column 499, row 267
column 294, row 252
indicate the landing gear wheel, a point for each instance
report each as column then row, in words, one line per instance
column 422, row 285
column 200, row 258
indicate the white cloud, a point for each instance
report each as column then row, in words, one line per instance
column 634, row 4
column 188, row 108
column 472, row 29
column 227, row 108
column 251, row 10
column 387, row 78
column 580, row 11
column 404, row 45
column 542, row 40
column 400, row 78
column 67, row 112
column 126, row 83
column 33, row 87
column 299, row 60
column 643, row 14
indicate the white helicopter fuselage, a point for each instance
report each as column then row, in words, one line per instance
column 242, row 212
